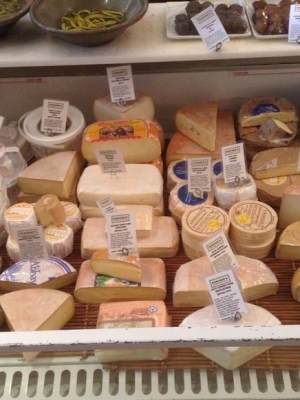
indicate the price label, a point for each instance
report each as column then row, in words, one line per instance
column 32, row 243
column 54, row 117
column 121, row 233
column 234, row 165
column 294, row 24
column 110, row 161
column 199, row 175
column 121, row 86
column 106, row 205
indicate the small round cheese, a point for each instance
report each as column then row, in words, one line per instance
column 258, row 252
column 73, row 216
column 19, row 216
column 49, row 210
column 59, row 240
column 177, row 174
column 13, row 249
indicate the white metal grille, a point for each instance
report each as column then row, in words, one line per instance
column 57, row 380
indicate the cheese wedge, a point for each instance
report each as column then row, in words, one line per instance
column 33, row 198
column 132, row 314
column 290, row 206
column 49, row 210
column 117, row 266
column 256, row 281
column 199, row 123
column 163, row 240
column 56, row 174
column 94, row 288
column 181, row 147
column 37, row 310
column 288, row 245
column 231, row 357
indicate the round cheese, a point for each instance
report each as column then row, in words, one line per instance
column 73, row 216
column 177, row 173
column 59, row 240
column 19, row 216
column 13, row 249
column 258, row 252
column 49, row 210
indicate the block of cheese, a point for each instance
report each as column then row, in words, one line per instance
column 73, row 216
column 33, row 198
column 59, row 240
column 288, row 244
column 275, row 162
column 54, row 273
column 256, row 280
column 162, row 242
column 141, row 184
column 117, row 266
column 289, row 211
column 231, row 357
column 136, row 139
column 94, row 288
column 295, row 286
column 19, row 216
column 270, row 190
column 199, row 123
column 177, row 173
column 181, row 200
column 56, row 174
column 180, row 147
column 49, row 210
column 256, row 110
column 37, row 309
column 132, row 314
column 140, row 108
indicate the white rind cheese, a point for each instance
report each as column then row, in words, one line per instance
column 289, row 211
column 59, row 240
column 19, row 216
column 73, row 216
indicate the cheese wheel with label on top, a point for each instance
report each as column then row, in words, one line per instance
column 59, row 240
column 73, row 216
column 19, row 216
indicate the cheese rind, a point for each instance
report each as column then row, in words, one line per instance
column 141, row 184
column 92, row 288
column 132, row 314
column 231, row 357
column 199, row 123
column 56, row 174
column 288, row 244
column 19, row 216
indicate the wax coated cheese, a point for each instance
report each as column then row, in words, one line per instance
column 93, row 288
column 54, row 273
column 289, row 211
column 118, row 266
column 231, row 357
column 49, row 210
column 136, row 139
column 132, row 314
column 256, row 110
column 56, row 174
column 181, row 147
column 37, row 309
column 288, row 245
column 19, row 216
column 59, row 240
column 256, row 280
column 163, row 240
column 140, row 108
column 72, row 216
column 199, row 123
column 141, row 184
column 275, row 162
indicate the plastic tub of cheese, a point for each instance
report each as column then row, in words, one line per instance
column 43, row 145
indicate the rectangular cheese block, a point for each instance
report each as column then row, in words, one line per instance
column 136, row 139
column 231, row 357
column 199, row 123
column 162, row 242
column 181, row 147
column 142, row 107
column 132, row 314
column 290, row 206
column 275, row 162
column 141, row 184
column 94, row 288
column 56, row 174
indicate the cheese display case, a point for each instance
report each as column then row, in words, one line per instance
column 34, row 66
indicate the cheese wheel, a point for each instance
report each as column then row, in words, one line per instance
column 176, row 174
column 49, row 210
column 72, row 216
column 59, row 240
column 257, row 251
column 13, row 249
column 19, row 216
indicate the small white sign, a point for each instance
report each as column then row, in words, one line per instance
column 32, row 243
column 54, row 116
column 210, row 29
column 121, row 85
column 106, row 205
column 219, row 252
column 121, row 233
column 294, row 24
column 199, row 175
column 226, row 295
column 110, row 161
column 234, row 165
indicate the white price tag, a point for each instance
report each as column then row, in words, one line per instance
column 294, row 24
column 106, row 205
column 32, row 243
column 210, row 29
column 121, row 233
column 199, row 175
column 54, row 116
column 110, row 161
column 234, row 165
column 120, row 84
column 226, row 295
column 219, row 252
